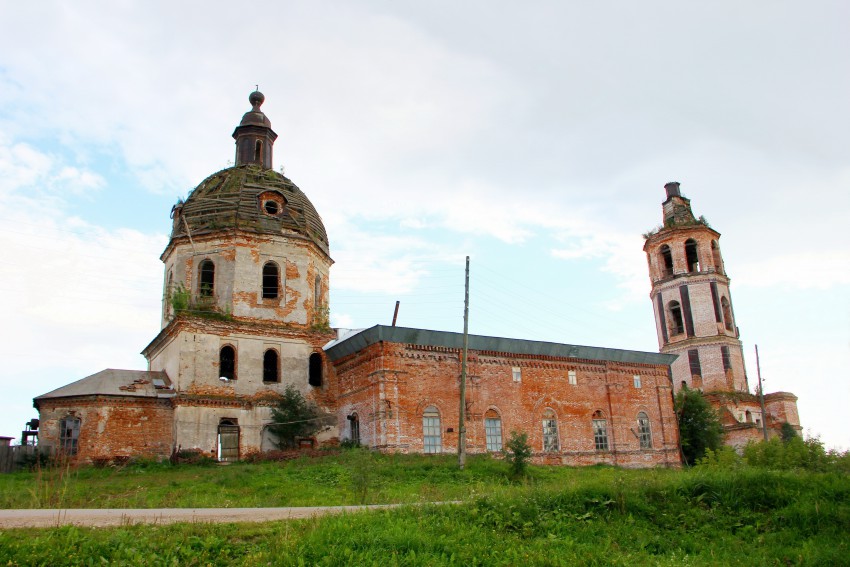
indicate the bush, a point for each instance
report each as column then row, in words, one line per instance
column 518, row 454
column 722, row 458
column 699, row 427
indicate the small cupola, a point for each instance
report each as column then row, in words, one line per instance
column 254, row 135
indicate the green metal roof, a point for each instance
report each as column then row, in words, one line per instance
column 356, row 342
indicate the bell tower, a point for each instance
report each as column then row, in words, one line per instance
column 691, row 300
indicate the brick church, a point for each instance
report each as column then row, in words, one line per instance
column 245, row 314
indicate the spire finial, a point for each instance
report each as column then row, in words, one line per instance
column 256, row 99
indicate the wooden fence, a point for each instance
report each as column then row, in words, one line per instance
column 19, row 456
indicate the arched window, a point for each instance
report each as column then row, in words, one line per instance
column 600, row 431
column 666, row 263
column 691, row 255
column 749, row 416
column 271, row 280
column 354, row 423
column 227, row 363
column 493, row 430
column 644, row 432
column 271, row 366
column 69, row 433
column 431, row 431
column 315, row 370
column 727, row 314
column 258, row 150
column 715, row 256
column 677, row 324
column 550, row 431
column 206, row 282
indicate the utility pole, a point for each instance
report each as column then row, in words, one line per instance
column 761, row 396
column 461, row 429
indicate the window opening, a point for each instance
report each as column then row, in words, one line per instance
column 315, row 376
column 354, row 423
column 677, row 324
column 271, row 208
column 207, row 279
column 715, row 255
column 600, row 431
column 727, row 359
column 644, row 432
column 493, row 430
column 666, row 261
column 258, row 150
column 227, row 363
column 550, row 431
column 228, row 440
column 727, row 314
column 571, row 377
column 691, row 255
column 749, row 415
column 271, row 280
column 636, row 380
column 69, row 433
column 431, row 431
column 271, row 366
column 516, row 373
column 693, row 361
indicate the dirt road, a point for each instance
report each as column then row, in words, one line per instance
column 35, row 518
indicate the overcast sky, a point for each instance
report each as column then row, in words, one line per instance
column 535, row 137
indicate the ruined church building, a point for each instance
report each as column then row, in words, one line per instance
column 245, row 314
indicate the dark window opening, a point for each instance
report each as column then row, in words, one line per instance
column 691, row 255
column 258, row 150
column 677, row 324
column 271, row 366
column 727, row 360
column 715, row 255
column 271, row 207
column 227, row 363
column 749, row 416
column 207, row 281
column 69, row 433
column 271, row 281
column 727, row 314
column 354, row 422
column 315, row 377
column 693, row 360
column 666, row 261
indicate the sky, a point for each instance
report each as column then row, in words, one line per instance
column 534, row 137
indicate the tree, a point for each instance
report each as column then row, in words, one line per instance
column 787, row 432
column 699, row 426
column 294, row 417
column 518, row 453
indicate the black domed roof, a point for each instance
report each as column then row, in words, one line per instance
column 234, row 198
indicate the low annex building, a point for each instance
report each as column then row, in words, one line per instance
column 246, row 292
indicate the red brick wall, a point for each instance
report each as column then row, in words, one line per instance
column 389, row 385
column 111, row 427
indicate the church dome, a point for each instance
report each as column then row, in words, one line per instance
column 249, row 198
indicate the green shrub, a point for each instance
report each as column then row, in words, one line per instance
column 517, row 454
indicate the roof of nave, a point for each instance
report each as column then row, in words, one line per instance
column 231, row 199
column 115, row 382
column 357, row 341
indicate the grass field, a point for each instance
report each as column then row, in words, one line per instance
column 559, row 516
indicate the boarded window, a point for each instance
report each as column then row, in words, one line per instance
column 644, row 432
column 693, row 360
column 691, row 255
column 727, row 360
column 206, row 281
column 315, row 374
column 431, row 431
column 271, row 366
column 227, row 363
column 271, row 281
column 550, row 431
column 228, row 440
column 600, row 431
column 493, row 430
column 69, row 433
column 666, row 261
